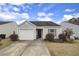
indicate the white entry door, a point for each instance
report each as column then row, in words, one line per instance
column 26, row 34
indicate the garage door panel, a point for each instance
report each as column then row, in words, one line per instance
column 26, row 34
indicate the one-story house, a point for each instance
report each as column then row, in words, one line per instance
column 7, row 27
column 30, row 30
column 72, row 24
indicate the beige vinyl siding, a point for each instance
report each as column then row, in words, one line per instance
column 8, row 29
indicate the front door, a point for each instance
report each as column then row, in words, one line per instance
column 39, row 33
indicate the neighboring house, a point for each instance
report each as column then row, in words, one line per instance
column 30, row 30
column 7, row 27
column 71, row 24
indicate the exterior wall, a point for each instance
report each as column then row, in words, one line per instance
column 28, row 26
column 75, row 28
column 45, row 30
column 8, row 29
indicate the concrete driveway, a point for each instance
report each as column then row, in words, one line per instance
column 26, row 48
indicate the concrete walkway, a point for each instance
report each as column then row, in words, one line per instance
column 26, row 48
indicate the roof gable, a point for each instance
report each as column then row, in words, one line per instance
column 28, row 23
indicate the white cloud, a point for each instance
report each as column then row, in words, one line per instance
column 44, row 19
column 28, row 6
column 50, row 14
column 69, row 10
column 67, row 17
column 75, row 15
column 16, row 9
column 12, row 16
column 25, row 15
column 40, row 14
column 7, row 7
column 6, row 16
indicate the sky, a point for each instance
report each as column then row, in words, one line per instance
column 56, row 12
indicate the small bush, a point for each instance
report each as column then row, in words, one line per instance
column 68, row 32
column 14, row 37
column 2, row 36
column 62, row 37
column 49, row 37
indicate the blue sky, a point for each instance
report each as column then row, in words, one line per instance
column 56, row 12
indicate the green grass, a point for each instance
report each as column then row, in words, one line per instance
column 63, row 49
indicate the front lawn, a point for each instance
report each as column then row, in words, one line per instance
column 63, row 49
column 5, row 43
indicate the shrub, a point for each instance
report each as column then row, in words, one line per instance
column 14, row 37
column 62, row 37
column 2, row 36
column 68, row 33
column 49, row 37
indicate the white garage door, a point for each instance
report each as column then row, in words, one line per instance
column 26, row 35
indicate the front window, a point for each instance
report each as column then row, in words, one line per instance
column 53, row 31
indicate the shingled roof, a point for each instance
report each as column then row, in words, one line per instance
column 44, row 23
column 4, row 22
